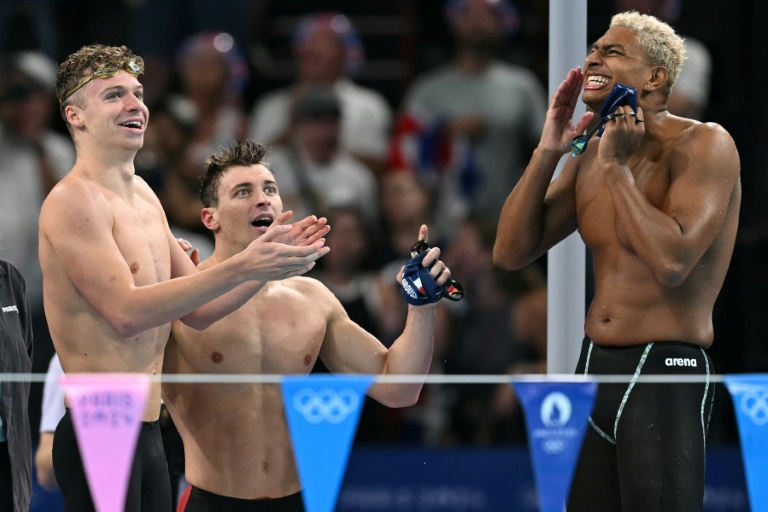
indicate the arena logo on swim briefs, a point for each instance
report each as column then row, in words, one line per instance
column 680, row 361
column 9, row 309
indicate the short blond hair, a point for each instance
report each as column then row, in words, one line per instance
column 661, row 45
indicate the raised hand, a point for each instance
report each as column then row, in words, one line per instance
column 439, row 272
column 305, row 232
column 621, row 136
column 559, row 129
column 186, row 247
column 265, row 259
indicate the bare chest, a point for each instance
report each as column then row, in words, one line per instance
column 142, row 237
column 281, row 332
column 598, row 222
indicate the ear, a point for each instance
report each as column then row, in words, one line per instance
column 73, row 115
column 659, row 77
column 209, row 218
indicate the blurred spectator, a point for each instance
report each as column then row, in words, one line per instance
column 163, row 25
column 482, row 339
column 329, row 52
column 315, row 172
column 33, row 158
column 371, row 300
column 690, row 95
column 478, row 116
column 166, row 164
column 213, row 74
column 27, row 25
column 528, row 318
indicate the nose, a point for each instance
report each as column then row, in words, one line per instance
column 132, row 103
column 263, row 199
column 593, row 59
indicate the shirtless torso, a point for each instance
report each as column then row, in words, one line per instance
column 84, row 341
column 656, row 201
column 241, row 446
column 236, row 440
column 631, row 305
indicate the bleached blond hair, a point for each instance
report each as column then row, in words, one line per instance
column 661, row 45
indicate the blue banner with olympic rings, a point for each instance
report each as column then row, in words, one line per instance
column 323, row 412
column 750, row 400
column 556, row 414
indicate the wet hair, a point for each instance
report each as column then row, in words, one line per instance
column 85, row 61
column 244, row 154
column 661, row 45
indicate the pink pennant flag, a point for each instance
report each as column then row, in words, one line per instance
column 107, row 410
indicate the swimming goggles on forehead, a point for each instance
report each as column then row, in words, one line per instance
column 134, row 66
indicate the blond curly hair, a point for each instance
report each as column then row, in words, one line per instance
column 661, row 45
column 85, row 61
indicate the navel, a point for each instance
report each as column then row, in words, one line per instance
column 217, row 357
column 265, row 466
column 134, row 267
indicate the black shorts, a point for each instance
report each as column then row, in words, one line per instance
column 6, row 479
column 644, row 449
column 149, row 488
column 203, row 501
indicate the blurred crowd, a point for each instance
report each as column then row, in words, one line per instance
column 381, row 118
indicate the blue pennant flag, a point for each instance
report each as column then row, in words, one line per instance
column 322, row 413
column 556, row 414
column 750, row 399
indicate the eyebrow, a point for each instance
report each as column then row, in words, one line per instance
column 121, row 88
column 608, row 46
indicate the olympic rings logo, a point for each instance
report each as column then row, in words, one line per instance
column 754, row 403
column 325, row 404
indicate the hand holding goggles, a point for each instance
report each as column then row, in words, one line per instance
column 134, row 66
column 419, row 287
column 620, row 95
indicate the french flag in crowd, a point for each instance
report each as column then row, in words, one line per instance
column 427, row 148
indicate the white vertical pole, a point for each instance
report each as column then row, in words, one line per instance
column 566, row 261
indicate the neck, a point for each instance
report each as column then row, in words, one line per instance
column 470, row 62
column 114, row 170
column 221, row 253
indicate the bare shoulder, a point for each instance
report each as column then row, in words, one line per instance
column 73, row 198
column 315, row 291
column 144, row 191
column 703, row 141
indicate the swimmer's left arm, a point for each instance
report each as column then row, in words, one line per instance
column 348, row 348
column 704, row 184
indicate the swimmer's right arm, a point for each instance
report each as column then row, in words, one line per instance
column 538, row 214
column 78, row 223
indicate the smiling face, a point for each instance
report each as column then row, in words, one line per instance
column 111, row 113
column 614, row 58
column 248, row 202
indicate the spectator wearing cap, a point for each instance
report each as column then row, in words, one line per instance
column 315, row 172
column 33, row 158
column 329, row 52
column 487, row 112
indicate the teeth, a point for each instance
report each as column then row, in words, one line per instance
column 597, row 80
column 132, row 124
